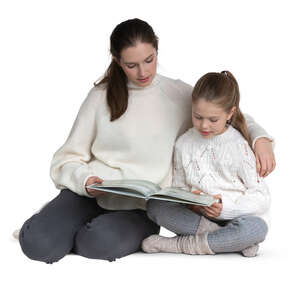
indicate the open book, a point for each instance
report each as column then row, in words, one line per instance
column 147, row 190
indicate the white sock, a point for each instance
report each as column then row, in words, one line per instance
column 16, row 234
column 157, row 243
column 207, row 225
column 251, row 251
column 191, row 244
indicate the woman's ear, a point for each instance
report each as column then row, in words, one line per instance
column 116, row 60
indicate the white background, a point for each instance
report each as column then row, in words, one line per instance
column 51, row 52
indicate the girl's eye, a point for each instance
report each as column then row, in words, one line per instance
column 211, row 120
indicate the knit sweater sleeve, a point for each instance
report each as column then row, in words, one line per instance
column 256, row 131
column 179, row 177
column 69, row 166
column 255, row 199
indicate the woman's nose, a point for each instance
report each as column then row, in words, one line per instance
column 141, row 71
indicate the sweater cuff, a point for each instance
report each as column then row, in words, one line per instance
column 272, row 140
column 228, row 210
column 81, row 175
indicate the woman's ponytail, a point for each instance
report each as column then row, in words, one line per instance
column 117, row 90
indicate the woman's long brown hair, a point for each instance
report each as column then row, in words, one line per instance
column 125, row 34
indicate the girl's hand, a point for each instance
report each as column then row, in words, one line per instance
column 265, row 159
column 195, row 208
column 91, row 180
column 215, row 209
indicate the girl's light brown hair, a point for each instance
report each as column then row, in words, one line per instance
column 222, row 90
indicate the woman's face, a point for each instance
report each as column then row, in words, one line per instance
column 139, row 63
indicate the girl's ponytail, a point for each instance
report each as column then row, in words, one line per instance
column 238, row 121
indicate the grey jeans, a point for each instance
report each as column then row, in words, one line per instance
column 74, row 224
column 234, row 235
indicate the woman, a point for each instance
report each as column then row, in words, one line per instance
column 126, row 128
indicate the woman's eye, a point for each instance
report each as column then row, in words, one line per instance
column 149, row 61
column 130, row 66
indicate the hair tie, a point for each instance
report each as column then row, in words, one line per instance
column 224, row 72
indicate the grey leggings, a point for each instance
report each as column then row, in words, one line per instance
column 234, row 236
column 76, row 224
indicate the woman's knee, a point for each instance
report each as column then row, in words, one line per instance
column 103, row 243
column 114, row 235
column 40, row 245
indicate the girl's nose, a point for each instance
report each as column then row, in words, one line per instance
column 204, row 124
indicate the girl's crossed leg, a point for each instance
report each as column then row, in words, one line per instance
column 198, row 235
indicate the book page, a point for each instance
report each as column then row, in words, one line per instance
column 120, row 191
column 129, row 187
column 175, row 194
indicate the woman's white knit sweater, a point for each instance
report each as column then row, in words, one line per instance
column 223, row 164
column 138, row 145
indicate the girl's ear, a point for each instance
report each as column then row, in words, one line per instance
column 231, row 113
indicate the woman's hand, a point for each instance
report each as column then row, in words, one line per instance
column 91, row 180
column 213, row 211
column 265, row 159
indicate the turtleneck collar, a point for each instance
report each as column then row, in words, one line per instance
column 153, row 83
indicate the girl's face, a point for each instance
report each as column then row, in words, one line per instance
column 208, row 118
column 139, row 63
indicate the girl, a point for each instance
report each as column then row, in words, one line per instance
column 125, row 128
column 214, row 157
